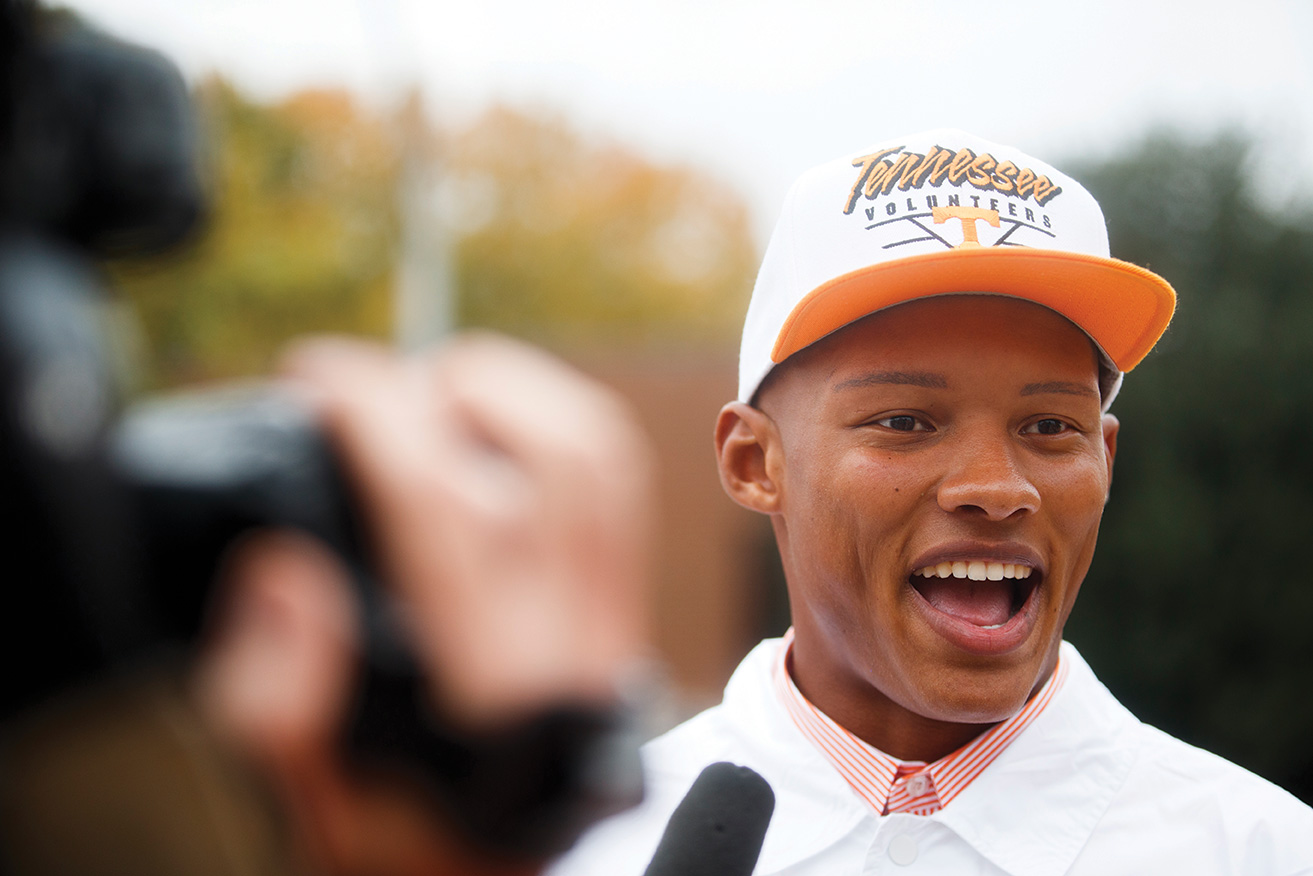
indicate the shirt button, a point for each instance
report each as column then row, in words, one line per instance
column 902, row 850
column 917, row 785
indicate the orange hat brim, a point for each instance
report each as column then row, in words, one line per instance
column 1124, row 307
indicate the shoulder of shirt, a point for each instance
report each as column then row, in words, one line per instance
column 745, row 729
column 1167, row 761
column 1256, row 824
column 715, row 731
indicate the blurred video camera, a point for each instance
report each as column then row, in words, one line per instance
column 115, row 520
column 99, row 158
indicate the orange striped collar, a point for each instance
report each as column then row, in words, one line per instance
column 890, row 785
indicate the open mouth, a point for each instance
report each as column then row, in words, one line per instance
column 983, row 593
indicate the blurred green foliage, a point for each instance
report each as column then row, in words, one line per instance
column 552, row 236
column 1198, row 610
column 300, row 239
column 571, row 243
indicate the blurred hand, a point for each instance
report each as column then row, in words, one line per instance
column 508, row 497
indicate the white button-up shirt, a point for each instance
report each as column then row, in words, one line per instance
column 1086, row 790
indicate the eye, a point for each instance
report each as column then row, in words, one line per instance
column 1047, row 426
column 903, row 423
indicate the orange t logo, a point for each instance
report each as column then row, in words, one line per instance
column 968, row 217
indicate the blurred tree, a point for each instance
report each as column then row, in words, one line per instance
column 554, row 238
column 301, row 238
column 1197, row 611
column 575, row 244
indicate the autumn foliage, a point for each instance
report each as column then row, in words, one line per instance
column 575, row 243
column 549, row 235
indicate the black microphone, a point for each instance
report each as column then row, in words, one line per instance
column 719, row 826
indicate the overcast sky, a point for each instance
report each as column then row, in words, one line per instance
column 758, row 90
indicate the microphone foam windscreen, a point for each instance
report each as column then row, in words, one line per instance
column 719, row 826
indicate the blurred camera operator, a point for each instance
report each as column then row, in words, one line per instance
column 462, row 713
column 507, row 494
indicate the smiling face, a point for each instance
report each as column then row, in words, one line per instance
column 906, row 457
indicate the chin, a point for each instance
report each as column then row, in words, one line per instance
column 980, row 695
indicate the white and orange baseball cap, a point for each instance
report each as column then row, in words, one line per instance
column 935, row 213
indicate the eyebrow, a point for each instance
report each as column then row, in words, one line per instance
column 927, row 379
column 1062, row 387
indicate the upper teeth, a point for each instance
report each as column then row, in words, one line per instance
column 976, row 570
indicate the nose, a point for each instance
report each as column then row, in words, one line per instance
column 985, row 479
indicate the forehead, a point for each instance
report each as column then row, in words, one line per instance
column 971, row 336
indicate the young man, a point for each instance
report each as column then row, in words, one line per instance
column 935, row 337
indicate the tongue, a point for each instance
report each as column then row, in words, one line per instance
column 983, row 603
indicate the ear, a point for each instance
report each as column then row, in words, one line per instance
column 1111, row 426
column 750, row 456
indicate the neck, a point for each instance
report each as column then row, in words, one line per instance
column 867, row 713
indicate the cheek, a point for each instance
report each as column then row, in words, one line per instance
column 1080, row 495
column 859, row 508
column 848, row 511
column 887, row 483
column 1076, row 503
